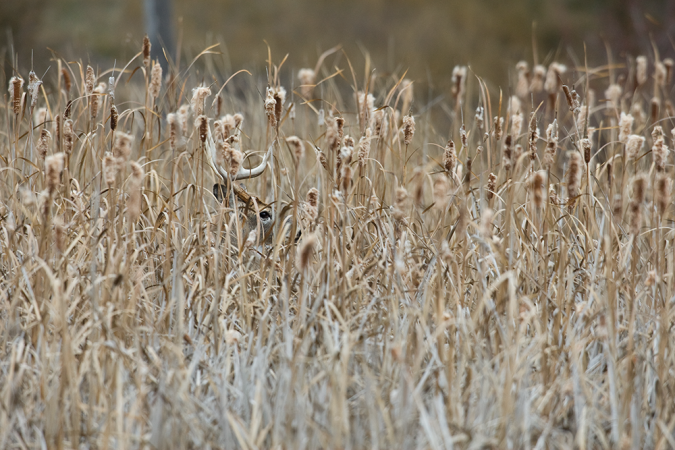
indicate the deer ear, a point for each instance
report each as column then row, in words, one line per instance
column 219, row 191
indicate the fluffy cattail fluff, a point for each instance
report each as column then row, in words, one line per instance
column 572, row 98
column 110, row 169
column 198, row 97
column 202, row 125
column 450, row 158
column 312, row 199
column 67, row 84
column 34, row 84
column 625, row 127
column 364, row 146
column 517, row 125
column 663, row 188
column 553, row 82
column 574, row 175
column 233, row 160
column 53, row 168
column 641, row 70
column 537, row 84
column 173, row 130
column 122, row 146
column 68, row 136
column 238, row 120
column 635, row 207
column 321, row 157
column 507, row 153
column 307, row 79
column 345, row 168
column 111, row 87
column 134, row 191
column 586, row 149
column 349, row 141
column 155, row 80
column 251, row 239
column 538, row 188
column 43, row 144
column 551, row 144
column 522, row 85
column 408, row 129
column 581, row 120
column 15, row 86
column 89, row 80
column 480, row 117
column 463, row 136
column 613, row 94
column 498, row 125
column 270, row 106
column 458, row 82
column 280, row 99
column 491, row 186
column 441, row 189
column 182, row 116
column 514, row 106
column 533, row 136
column 146, row 51
column 634, row 144
column 660, row 154
column 305, row 250
column 400, row 204
column 297, row 146
column 379, row 124
column 96, row 99
column 114, row 116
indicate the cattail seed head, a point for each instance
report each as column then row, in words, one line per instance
column 53, row 168
column 641, row 70
column 634, row 144
column 364, row 146
column 366, row 108
column 307, row 78
column 463, row 136
column 586, row 149
column 280, row 99
column 491, row 186
column 199, row 95
column 668, row 64
column 89, row 81
column 582, row 120
column 533, row 136
column 40, row 116
column 639, row 186
column 660, row 74
column 68, row 110
column 458, row 82
column 34, row 84
column 110, row 168
column 450, row 158
column 379, row 124
column 305, row 251
column 625, row 127
column 663, row 188
column 15, row 86
column 96, row 99
column 537, row 84
column 219, row 104
column 507, row 153
column 68, row 136
column 270, row 106
column 155, row 80
column 553, row 81
column 202, row 124
column 67, row 83
column 480, row 117
column 522, row 85
column 114, row 116
column 134, row 191
column 233, row 160
column 312, row 198
column 182, row 116
column 613, row 94
column 297, row 147
column 122, row 146
column 408, row 129
column 146, row 51
column 574, row 175
column 517, row 125
column 173, row 130
column 400, row 204
column 498, row 124
column 660, row 154
column 57, row 130
column 655, row 105
column 538, row 188
column 551, row 145
column 43, row 145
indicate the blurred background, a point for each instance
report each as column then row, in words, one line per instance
column 427, row 37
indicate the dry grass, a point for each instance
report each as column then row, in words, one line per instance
column 419, row 308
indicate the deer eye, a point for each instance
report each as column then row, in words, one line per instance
column 264, row 215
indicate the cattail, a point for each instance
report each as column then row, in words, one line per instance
column 551, row 144
column 568, row 97
column 68, row 110
column 670, row 109
column 522, row 85
column 467, row 176
column 538, row 188
column 349, row 141
column 40, row 116
column 155, row 80
column 280, row 99
column 111, row 87
column 582, row 120
column 34, row 84
column 173, row 130
column 233, row 160
column 96, row 99
column 553, row 195
column 668, row 64
column 114, row 116
column 537, row 84
column 517, row 152
column 533, row 136
column 312, row 198
column 574, row 175
column 491, row 186
column 110, row 168
column 344, row 166
column 408, row 129
column 198, row 97
column 507, row 153
column 43, row 145
column 366, row 108
column 441, row 189
column 400, row 204
column 122, row 146
column 202, row 124
column 238, row 120
column 134, row 191
column 450, row 158
column 517, row 125
column 498, row 124
column 586, row 149
column 462, row 136
column 340, row 129
column 57, row 130
column 321, row 157
column 307, row 78
column 458, row 82
column 305, row 250
column 89, row 80
column 297, row 146
column 333, row 138
column 379, row 124
column 480, row 117
column 660, row 74
column 663, row 191
column 655, row 108
column 634, row 144
column 146, row 51
column 553, row 82
column 641, row 70
column 635, row 207
column 53, row 168
column 15, row 86
column 219, row 104
column 270, row 106
column 67, row 84
column 68, row 136
column 364, row 146
column 660, row 154
column 182, row 116
column 613, row 94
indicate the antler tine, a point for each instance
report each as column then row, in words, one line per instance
column 244, row 174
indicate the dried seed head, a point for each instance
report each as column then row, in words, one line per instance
column 668, row 63
column 110, row 168
column 498, row 125
column 408, row 129
column 134, row 191
column 634, row 144
column 660, row 74
column 40, row 116
column 635, row 208
column 96, row 99
column 89, row 81
column 480, row 117
column 379, row 124
column 533, row 136
column 270, row 106
column 219, row 104
column 155, row 80
column 507, row 153
column 68, row 136
column 43, row 145
column 538, row 188
column 364, row 146
column 238, row 120
column 173, row 130
column 517, row 125
column 553, row 81
column 613, row 94
column 146, row 51
column 182, row 116
column 641, row 70
column 67, row 111
column 655, row 109
column 67, row 84
column 491, row 186
column 458, row 82
column 574, row 175
column 233, row 160
column 522, row 85
column 297, row 146
column 114, row 116
column 34, row 84
column 441, row 190
column 202, row 125
column 313, row 198
column 366, row 108
column 400, row 204
column 57, row 131
column 625, row 127
column 582, row 120
column 537, row 84
column 122, row 146
column 663, row 189
column 307, row 79
column 199, row 95
column 660, row 153
column 463, row 136
column 305, row 251
column 15, row 86
column 280, row 99
column 586, row 148
column 551, row 144
column 450, row 158
column 53, row 168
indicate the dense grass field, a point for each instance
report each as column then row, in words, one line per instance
column 478, row 268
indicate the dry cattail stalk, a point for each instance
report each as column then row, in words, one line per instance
column 660, row 74
column 96, row 99
column 155, row 80
column 635, row 207
column 15, row 86
column 660, row 153
column 663, row 190
column 57, row 130
column 202, row 124
column 507, row 153
column 573, row 175
column 297, row 146
column 480, row 117
column 146, row 51
column 110, row 168
column 538, row 188
column 307, row 79
column 498, row 125
column 182, row 116
column 491, row 186
column 522, row 85
column 89, row 81
column 114, row 116
column 68, row 136
column 586, row 149
column 553, row 81
column 408, row 129
column 280, row 99
column 364, row 146
column 199, row 95
column 613, row 94
column 551, row 144
column 537, row 84
column 173, row 130
column 450, row 158
column 641, row 70
column 634, row 144
column 366, row 108
column 305, row 250
column 134, row 191
column 122, row 147
column 43, row 145
column 458, row 82
column 67, row 84
column 34, row 84
column 270, row 106
column 53, row 168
